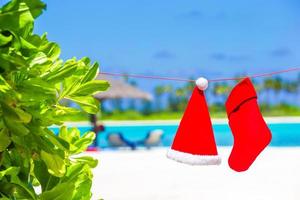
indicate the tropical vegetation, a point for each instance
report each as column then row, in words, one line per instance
column 277, row 97
column 35, row 163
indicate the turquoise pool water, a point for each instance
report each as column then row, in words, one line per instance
column 283, row 134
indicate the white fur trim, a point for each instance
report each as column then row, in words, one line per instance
column 202, row 83
column 191, row 159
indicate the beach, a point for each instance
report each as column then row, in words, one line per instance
column 149, row 175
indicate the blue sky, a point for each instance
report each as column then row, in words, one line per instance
column 178, row 38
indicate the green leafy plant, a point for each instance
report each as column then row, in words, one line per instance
column 34, row 162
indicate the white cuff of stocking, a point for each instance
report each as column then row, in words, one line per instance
column 192, row 159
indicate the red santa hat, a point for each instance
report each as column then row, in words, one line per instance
column 194, row 142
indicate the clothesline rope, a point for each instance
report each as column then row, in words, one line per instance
column 209, row 80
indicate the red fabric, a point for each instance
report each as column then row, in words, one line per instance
column 195, row 133
column 250, row 131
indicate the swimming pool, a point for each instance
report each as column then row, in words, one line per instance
column 283, row 134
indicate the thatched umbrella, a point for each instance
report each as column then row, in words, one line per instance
column 120, row 89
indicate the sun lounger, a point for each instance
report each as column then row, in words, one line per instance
column 118, row 140
column 153, row 138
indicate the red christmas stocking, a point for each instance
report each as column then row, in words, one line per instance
column 250, row 131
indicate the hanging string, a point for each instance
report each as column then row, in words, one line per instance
column 148, row 77
column 210, row 80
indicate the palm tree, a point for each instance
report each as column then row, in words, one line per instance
column 158, row 92
column 298, row 85
column 258, row 87
column 214, row 90
column 173, row 101
column 221, row 89
column 277, row 85
column 291, row 87
column 268, row 87
column 182, row 97
column 132, row 102
column 146, row 107
column 188, row 87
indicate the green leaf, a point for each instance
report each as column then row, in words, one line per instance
column 4, row 86
column 81, row 175
column 88, row 103
column 36, row 89
column 52, row 50
column 63, row 133
column 9, row 112
column 91, row 74
column 60, row 73
column 39, row 59
column 63, row 191
column 36, row 7
column 26, row 190
column 77, row 143
column 15, row 191
column 14, row 59
column 83, row 189
column 71, row 135
column 15, row 114
column 16, row 128
column 4, row 140
column 39, row 64
column 16, row 14
column 63, row 113
column 46, row 180
column 23, row 116
column 26, row 44
column 70, row 85
column 73, row 172
column 83, row 143
column 10, row 171
column 57, row 141
column 92, row 87
column 5, row 39
column 38, row 85
column 55, row 164
column 88, row 160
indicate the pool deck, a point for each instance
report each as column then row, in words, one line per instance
column 149, row 175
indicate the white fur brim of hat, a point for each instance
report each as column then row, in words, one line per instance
column 192, row 159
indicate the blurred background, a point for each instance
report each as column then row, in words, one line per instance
column 184, row 39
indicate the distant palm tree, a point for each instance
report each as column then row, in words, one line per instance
column 291, row 87
column 258, row 86
column 146, row 107
column 132, row 102
column 221, row 89
column 298, row 86
column 182, row 95
column 277, row 85
column 159, row 92
column 169, row 92
column 173, row 101
column 268, row 87
column 189, row 86
column 214, row 90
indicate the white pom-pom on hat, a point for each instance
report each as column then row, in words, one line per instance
column 202, row 83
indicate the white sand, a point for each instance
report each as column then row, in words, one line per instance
column 148, row 174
